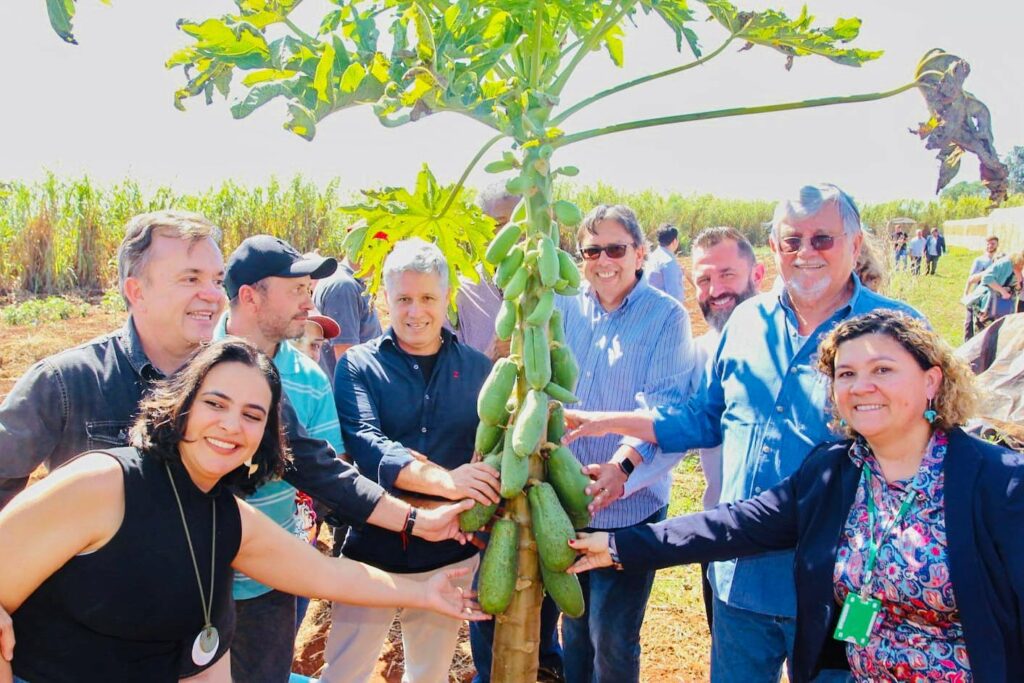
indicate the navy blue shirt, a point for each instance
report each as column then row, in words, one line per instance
column 385, row 406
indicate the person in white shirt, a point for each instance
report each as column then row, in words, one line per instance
column 978, row 267
column 663, row 271
column 916, row 249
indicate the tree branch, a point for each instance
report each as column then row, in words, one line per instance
column 465, row 174
column 591, row 39
column 724, row 113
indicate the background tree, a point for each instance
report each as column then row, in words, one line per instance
column 504, row 64
column 1015, row 164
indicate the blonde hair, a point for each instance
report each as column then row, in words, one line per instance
column 957, row 396
column 871, row 268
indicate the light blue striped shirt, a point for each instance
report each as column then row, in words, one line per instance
column 638, row 355
column 309, row 393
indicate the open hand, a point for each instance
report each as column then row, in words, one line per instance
column 478, row 481
column 442, row 523
column 583, row 423
column 608, row 486
column 593, row 549
column 444, row 597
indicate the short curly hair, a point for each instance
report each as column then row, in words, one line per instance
column 163, row 414
column 957, row 396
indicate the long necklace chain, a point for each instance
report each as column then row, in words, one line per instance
column 207, row 607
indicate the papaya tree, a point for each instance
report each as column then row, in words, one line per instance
column 505, row 64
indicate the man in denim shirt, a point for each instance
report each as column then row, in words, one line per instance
column 765, row 402
column 407, row 405
column 171, row 275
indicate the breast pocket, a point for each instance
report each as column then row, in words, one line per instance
column 107, row 434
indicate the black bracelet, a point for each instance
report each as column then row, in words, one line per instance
column 410, row 521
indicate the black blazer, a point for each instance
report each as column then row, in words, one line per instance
column 984, row 499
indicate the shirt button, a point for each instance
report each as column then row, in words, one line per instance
column 766, row 449
column 423, row 429
column 415, row 367
column 779, row 409
column 426, row 397
column 757, row 489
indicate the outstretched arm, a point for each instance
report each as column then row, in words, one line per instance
column 271, row 556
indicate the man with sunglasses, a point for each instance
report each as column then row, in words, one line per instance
column 765, row 402
column 634, row 348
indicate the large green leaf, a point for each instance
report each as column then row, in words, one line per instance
column 61, row 12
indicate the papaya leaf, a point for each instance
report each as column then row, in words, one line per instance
column 324, row 72
column 61, row 12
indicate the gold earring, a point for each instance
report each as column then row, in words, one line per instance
column 251, row 465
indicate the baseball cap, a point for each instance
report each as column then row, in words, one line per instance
column 330, row 327
column 263, row 256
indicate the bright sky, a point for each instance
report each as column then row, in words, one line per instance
column 104, row 108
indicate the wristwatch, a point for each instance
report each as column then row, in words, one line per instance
column 627, row 466
column 614, row 552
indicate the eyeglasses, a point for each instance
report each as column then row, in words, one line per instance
column 593, row 253
column 791, row 245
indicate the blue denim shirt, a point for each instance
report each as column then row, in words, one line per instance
column 385, row 407
column 764, row 400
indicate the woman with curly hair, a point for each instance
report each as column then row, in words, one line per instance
column 909, row 554
column 118, row 565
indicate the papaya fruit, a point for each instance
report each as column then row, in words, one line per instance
column 490, row 403
column 567, row 290
column 508, row 266
column 516, row 285
column 567, row 269
column 570, row 485
column 499, row 568
column 556, row 422
column 531, row 424
column 560, row 393
column 515, row 470
column 556, row 331
column 547, row 262
column 477, row 516
column 487, row 437
column 551, row 528
column 536, row 357
column 567, row 213
column 502, row 243
column 564, row 370
column 541, row 312
column 565, row 590
column 505, row 323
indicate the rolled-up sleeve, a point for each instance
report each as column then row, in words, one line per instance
column 31, row 424
column 374, row 453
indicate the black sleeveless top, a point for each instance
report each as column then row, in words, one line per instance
column 131, row 610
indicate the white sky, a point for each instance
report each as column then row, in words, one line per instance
column 104, row 108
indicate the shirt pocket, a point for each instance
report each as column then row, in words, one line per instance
column 107, row 434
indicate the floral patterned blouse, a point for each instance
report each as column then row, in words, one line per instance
column 918, row 636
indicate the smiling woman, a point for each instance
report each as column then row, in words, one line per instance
column 125, row 557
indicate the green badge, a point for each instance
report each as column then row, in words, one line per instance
column 857, row 619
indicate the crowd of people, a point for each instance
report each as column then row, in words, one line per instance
column 851, row 529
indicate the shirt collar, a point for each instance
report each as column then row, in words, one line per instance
column 842, row 312
column 639, row 289
column 389, row 336
column 132, row 345
column 934, row 453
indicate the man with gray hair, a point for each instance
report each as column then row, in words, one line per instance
column 764, row 401
column 407, row 406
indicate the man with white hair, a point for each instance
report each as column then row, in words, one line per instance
column 765, row 402
column 407, row 405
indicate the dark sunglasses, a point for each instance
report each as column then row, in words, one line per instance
column 613, row 250
column 791, row 245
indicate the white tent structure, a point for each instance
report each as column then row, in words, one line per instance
column 970, row 233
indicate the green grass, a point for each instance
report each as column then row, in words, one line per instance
column 937, row 296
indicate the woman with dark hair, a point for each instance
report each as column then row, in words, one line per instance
column 909, row 554
column 118, row 565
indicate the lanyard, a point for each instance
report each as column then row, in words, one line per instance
column 876, row 544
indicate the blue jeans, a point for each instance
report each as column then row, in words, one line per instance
column 481, row 640
column 264, row 641
column 748, row 647
column 603, row 646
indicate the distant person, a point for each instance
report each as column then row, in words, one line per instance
column 343, row 298
column 125, row 555
column 995, row 294
column 934, row 248
column 899, row 247
column 909, row 559
column 478, row 303
column 725, row 274
column 916, row 249
column 978, row 266
column 318, row 330
column 663, row 270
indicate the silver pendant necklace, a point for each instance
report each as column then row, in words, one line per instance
column 204, row 648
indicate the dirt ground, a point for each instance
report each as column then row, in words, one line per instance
column 674, row 638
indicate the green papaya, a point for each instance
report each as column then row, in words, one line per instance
column 536, row 357
column 502, row 243
column 555, row 329
column 487, row 437
column 547, row 262
column 567, row 213
column 565, row 590
column 490, row 403
column 508, row 267
column 531, row 424
column 556, row 422
column 570, row 485
column 515, row 470
column 477, row 516
column 505, row 323
column 564, row 370
column 551, row 528
column 499, row 567
column 541, row 312
column 516, row 285
column 567, row 269
column 560, row 393
column 567, row 290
